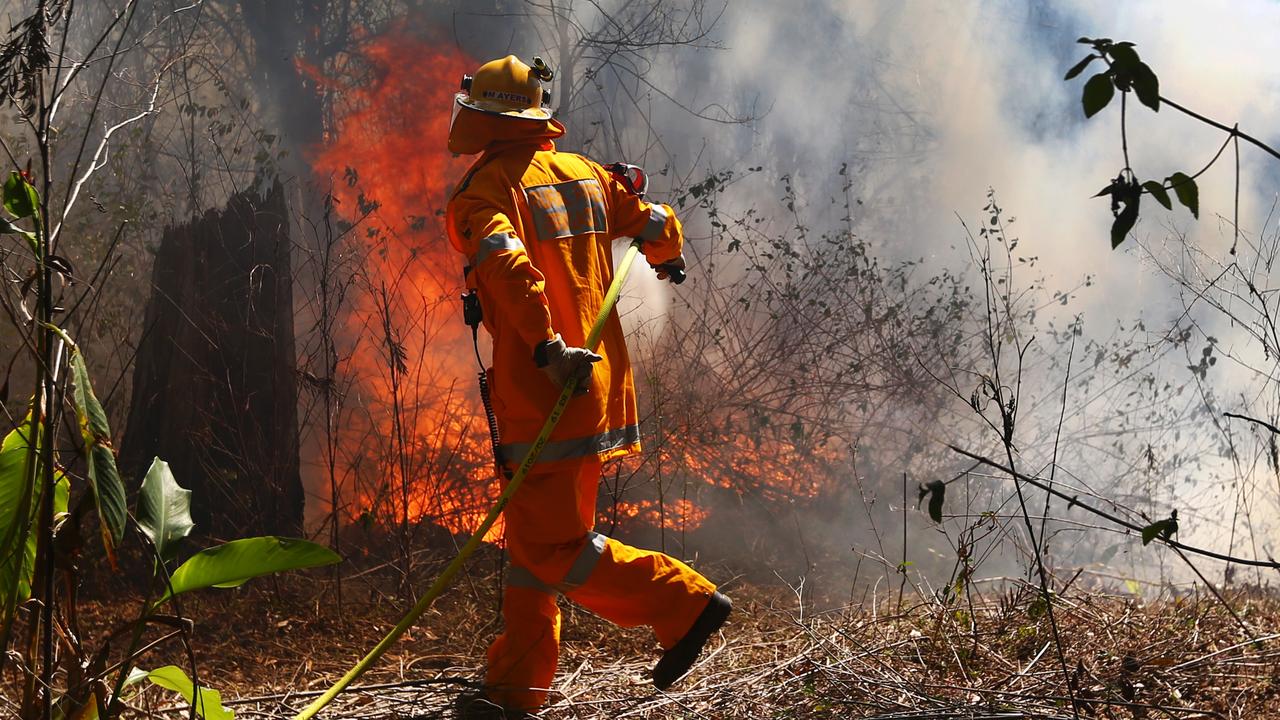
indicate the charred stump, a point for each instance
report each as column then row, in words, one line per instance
column 214, row 384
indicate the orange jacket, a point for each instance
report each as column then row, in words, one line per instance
column 537, row 227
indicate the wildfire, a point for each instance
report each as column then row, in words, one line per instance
column 678, row 515
column 385, row 155
column 418, row 415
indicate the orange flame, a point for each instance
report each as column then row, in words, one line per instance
column 386, row 157
column 419, row 417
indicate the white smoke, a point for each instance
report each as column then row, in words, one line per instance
column 936, row 102
column 933, row 103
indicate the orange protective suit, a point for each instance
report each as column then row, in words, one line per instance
column 537, row 227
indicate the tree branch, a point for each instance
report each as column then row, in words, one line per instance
column 1075, row 501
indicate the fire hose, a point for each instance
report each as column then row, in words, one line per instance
column 442, row 581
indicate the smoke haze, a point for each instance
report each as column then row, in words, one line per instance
column 932, row 104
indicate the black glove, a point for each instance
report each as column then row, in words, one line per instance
column 673, row 269
column 561, row 362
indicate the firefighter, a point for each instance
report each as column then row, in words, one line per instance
column 537, row 228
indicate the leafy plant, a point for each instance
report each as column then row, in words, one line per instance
column 1126, row 73
column 209, row 704
column 35, row 519
column 18, row 508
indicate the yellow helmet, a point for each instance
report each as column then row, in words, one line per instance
column 508, row 87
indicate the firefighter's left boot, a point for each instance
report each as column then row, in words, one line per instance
column 677, row 661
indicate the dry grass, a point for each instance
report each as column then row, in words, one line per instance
column 271, row 647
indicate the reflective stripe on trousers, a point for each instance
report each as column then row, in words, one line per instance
column 578, row 573
column 522, row 578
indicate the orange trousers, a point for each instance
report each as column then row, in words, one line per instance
column 553, row 549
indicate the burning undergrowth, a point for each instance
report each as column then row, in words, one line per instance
column 415, row 445
column 798, row 392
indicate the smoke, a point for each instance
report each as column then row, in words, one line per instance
column 931, row 104
column 903, row 115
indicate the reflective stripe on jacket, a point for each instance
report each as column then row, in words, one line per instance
column 537, row 228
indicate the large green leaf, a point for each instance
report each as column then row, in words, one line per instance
column 209, row 706
column 18, row 532
column 20, row 197
column 1147, row 86
column 1161, row 529
column 233, row 563
column 108, row 495
column 164, row 508
column 90, row 710
column 93, row 419
column 1125, row 220
column 9, row 228
column 1080, row 66
column 1097, row 93
column 108, row 490
column 936, row 491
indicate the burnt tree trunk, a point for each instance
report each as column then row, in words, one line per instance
column 214, row 387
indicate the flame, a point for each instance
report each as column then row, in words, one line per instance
column 683, row 514
column 385, row 155
column 418, row 415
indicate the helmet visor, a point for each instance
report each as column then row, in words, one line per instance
column 457, row 108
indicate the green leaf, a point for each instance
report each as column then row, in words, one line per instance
column 1124, row 222
column 1158, row 191
column 104, row 477
column 17, row 532
column 1151, row 532
column 108, row 496
column 1097, row 93
column 936, row 491
column 20, row 198
column 233, row 563
column 1124, row 57
column 92, row 417
column 1146, row 85
column 1188, row 194
column 1161, row 528
column 8, row 228
column 209, row 706
column 90, row 710
column 1079, row 67
column 164, row 509
column 136, row 675
column 15, row 526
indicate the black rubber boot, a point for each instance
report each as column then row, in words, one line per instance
column 675, row 662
